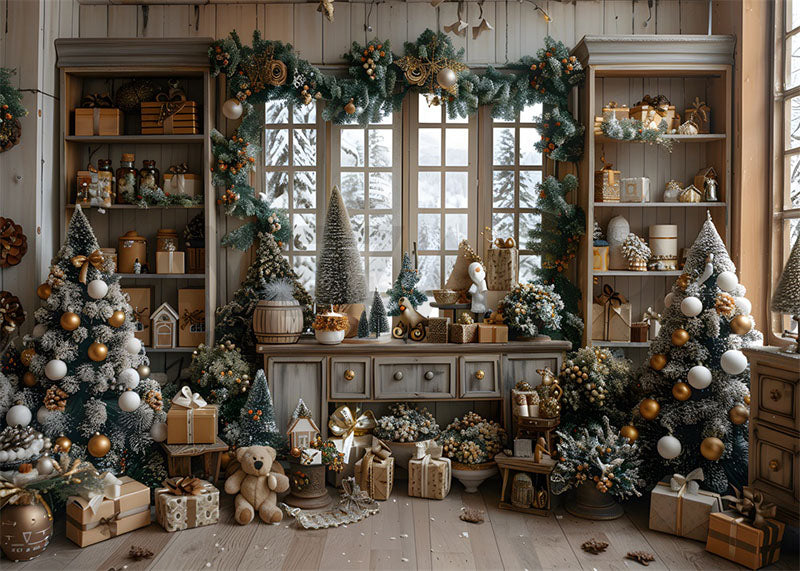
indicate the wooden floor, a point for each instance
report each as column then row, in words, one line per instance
column 408, row 533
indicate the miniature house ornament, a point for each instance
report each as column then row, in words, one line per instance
column 478, row 288
column 302, row 429
column 164, row 321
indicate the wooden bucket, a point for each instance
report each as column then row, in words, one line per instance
column 278, row 321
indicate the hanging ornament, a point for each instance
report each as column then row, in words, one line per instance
column 133, row 345
column 129, row 378
column 712, row 448
column 739, row 414
column 27, row 529
column 55, row 370
column 12, row 315
column 668, row 299
column 232, row 109
column 63, row 444
column 295, row 451
column 708, row 270
column 691, row 306
column 99, row 445
column 158, row 432
column 733, row 362
column 117, row 318
column 725, row 304
column 681, row 391
column 459, row 27
column 727, row 281
column 649, row 409
column 668, row 447
column 38, row 330
column 29, row 379
column 70, row 321
column 97, row 351
column 746, row 400
column 13, row 242
column 423, row 72
column 44, row 291
column 26, row 356
column 143, row 370
column 350, row 107
column 447, row 78
column 19, row 415
column 45, row 465
column 483, row 26
column 42, row 415
column 55, row 399
column 658, row 361
column 699, row 377
column 680, row 337
column 741, row 324
column 629, row 431
column 97, row 289
column 129, row 400
column 326, row 8
column 743, row 305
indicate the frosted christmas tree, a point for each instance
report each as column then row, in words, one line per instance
column 406, row 286
column 695, row 387
column 363, row 325
column 99, row 401
column 786, row 298
column 377, row 316
column 257, row 421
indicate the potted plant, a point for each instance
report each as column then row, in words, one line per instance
column 529, row 308
column 330, row 328
column 637, row 252
column 471, row 444
column 403, row 427
column 278, row 317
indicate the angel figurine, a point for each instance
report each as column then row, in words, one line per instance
column 478, row 288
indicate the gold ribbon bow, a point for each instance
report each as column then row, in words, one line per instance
column 750, row 504
column 343, row 422
column 659, row 103
column 95, row 259
column 169, row 109
column 102, row 100
column 11, row 494
column 699, row 108
column 191, row 317
column 181, row 168
column 354, row 499
column 185, row 486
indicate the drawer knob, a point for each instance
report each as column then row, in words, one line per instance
column 398, row 376
column 775, row 394
column 349, row 375
column 428, row 375
column 774, row 465
column 480, row 374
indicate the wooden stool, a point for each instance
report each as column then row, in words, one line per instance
column 179, row 458
column 510, row 465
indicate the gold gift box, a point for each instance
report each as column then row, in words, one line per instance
column 91, row 121
column 492, row 333
column 737, row 540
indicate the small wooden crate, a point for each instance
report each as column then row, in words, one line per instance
column 90, row 121
column 179, row 458
column 170, row 118
column 540, row 472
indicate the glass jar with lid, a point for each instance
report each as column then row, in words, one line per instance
column 127, row 176
column 148, row 176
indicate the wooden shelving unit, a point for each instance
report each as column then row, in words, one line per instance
column 82, row 71
column 622, row 69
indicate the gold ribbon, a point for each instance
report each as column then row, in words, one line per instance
column 343, row 422
column 611, row 301
column 95, row 259
column 138, row 314
column 699, row 108
column 751, row 505
column 659, row 103
column 185, row 486
column 167, row 112
column 354, row 499
column 192, row 317
column 681, row 485
column 97, row 100
column 380, row 451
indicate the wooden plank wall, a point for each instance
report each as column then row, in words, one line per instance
column 28, row 44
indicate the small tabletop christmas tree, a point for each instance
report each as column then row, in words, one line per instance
column 257, row 421
column 363, row 325
column 695, row 386
column 377, row 316
column 406, row 286
column 786, row 298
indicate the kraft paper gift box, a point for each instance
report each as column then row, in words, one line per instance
column 635, row 189
column 460, row 333
column 185, row 503
column 183, row 183
column 374, row 472
column 100, row 517
column 733, row 537
column 611, row 316
column 429, row 474
column 139, row 300
column 170, row 262
column 192, row 314
column 492, row 333
column 615, row 110
column 678, row 506
column 90, row 121
column 502, row 268
column 437, row 330
column 191, row 420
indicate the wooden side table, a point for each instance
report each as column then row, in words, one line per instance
column 179, row 458
column 540, row 474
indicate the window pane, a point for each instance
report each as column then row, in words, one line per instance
column 304, row 113
column 381, row 274
column 306, row 268
column 503, row 189
column 305, row 189
column 305, row 231
column 305, row 147
column 429, row 189
column 455, row 230
column 527, row 221
column 792, row 14
column 527, row 266
column 430, row 147
column 278, row 188
column 352, row 147
column 380, row 190
column 380, row 232
column 429, row 113
column 276, row 112
column 528, row 155
column 503, row 225
column 357, row 223
column 527, row 188
column 353, row 189
column 531, row 113
column 793, row 61
column 380, row 147
column 456, row 145
column 429, row 270
column 428, row 232
column 503, row 146
column 455, row 190
column 276, row 143
column 793, row 200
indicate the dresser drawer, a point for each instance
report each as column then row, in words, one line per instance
column 479, row 376
column 351, row 377
column 777, row 397
column 774, row 463
column 415, row 377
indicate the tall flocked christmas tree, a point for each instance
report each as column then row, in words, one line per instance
column 786, row 298
column 90, row 363
column 695, row 387
column 406, row 286
column 377, row 316
column 257, row 421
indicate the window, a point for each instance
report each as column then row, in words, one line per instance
column 366, row 165
column 516, row 170
column 293, row 159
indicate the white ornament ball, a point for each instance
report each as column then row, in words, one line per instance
column 232, row 109
column 38, row 330
column 446, row 77
column 133, row 345
column 44, row 465
column 55, row 370
column 669, row 447
column 158, row 432
column 699, row 377
column 668, row 300
column 733, row 362
column 727, row 281
column 97, row 289
column 42, row 415
column 691, row 306
column 743, row 305
column 19, row 415
column 129, row 377
column 129, row 401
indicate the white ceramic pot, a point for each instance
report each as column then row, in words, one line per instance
column 329, row 337
column 473, row 475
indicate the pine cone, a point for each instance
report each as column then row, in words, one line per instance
column 154, row 400
column 56, row 277
column 549, row 408
column 642, row 557
column 13, row 243
column 11, row 313
column 138, row 553
column 55, row 399
column 594, row 546
column 725, row 304
column 471, row 515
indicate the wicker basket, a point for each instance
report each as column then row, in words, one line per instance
column 445, row 296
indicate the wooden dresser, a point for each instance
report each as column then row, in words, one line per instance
column 775, row 428
column 449, row 378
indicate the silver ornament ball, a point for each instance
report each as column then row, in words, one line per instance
column 446, row 77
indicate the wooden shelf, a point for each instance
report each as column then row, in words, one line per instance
column 137, row 139
column 162, row 276
column 620, row 343
column 137, row 207
column 705, row 138
column 660, row 205
column 632, row 273
column 169, row 349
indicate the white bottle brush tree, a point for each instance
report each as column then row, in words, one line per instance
column 695, row 387
column 91, row 365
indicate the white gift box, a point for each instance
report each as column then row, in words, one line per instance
column 635, row 189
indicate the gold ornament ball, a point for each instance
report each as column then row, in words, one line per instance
column 98, row 351
column 649, row 409
column 63, row 444
column 680, row 337
column 658, row 361
column 29, row 379
column 350, row 108
column 27, row 529
column 712, row 448
column 70, row 321
column 44, row 291
column 295, row 451
column 747, row 400
column 629, row 431
column 144, row 371
column 681, row 391
column 27, row 355
column 225, row 459
column 739, row 414
column 741, row 324
column 99, row 445
column 117, row 318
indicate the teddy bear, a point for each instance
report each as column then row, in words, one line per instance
column 257, row 482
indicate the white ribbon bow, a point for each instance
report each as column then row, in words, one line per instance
column 687, row 484
column 187, row 399
column 427, row 448
column 112, row 489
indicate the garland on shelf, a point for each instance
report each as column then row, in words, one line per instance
column 634, row 130
column 155, row 196
column 376, row 84
column 11, row 110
